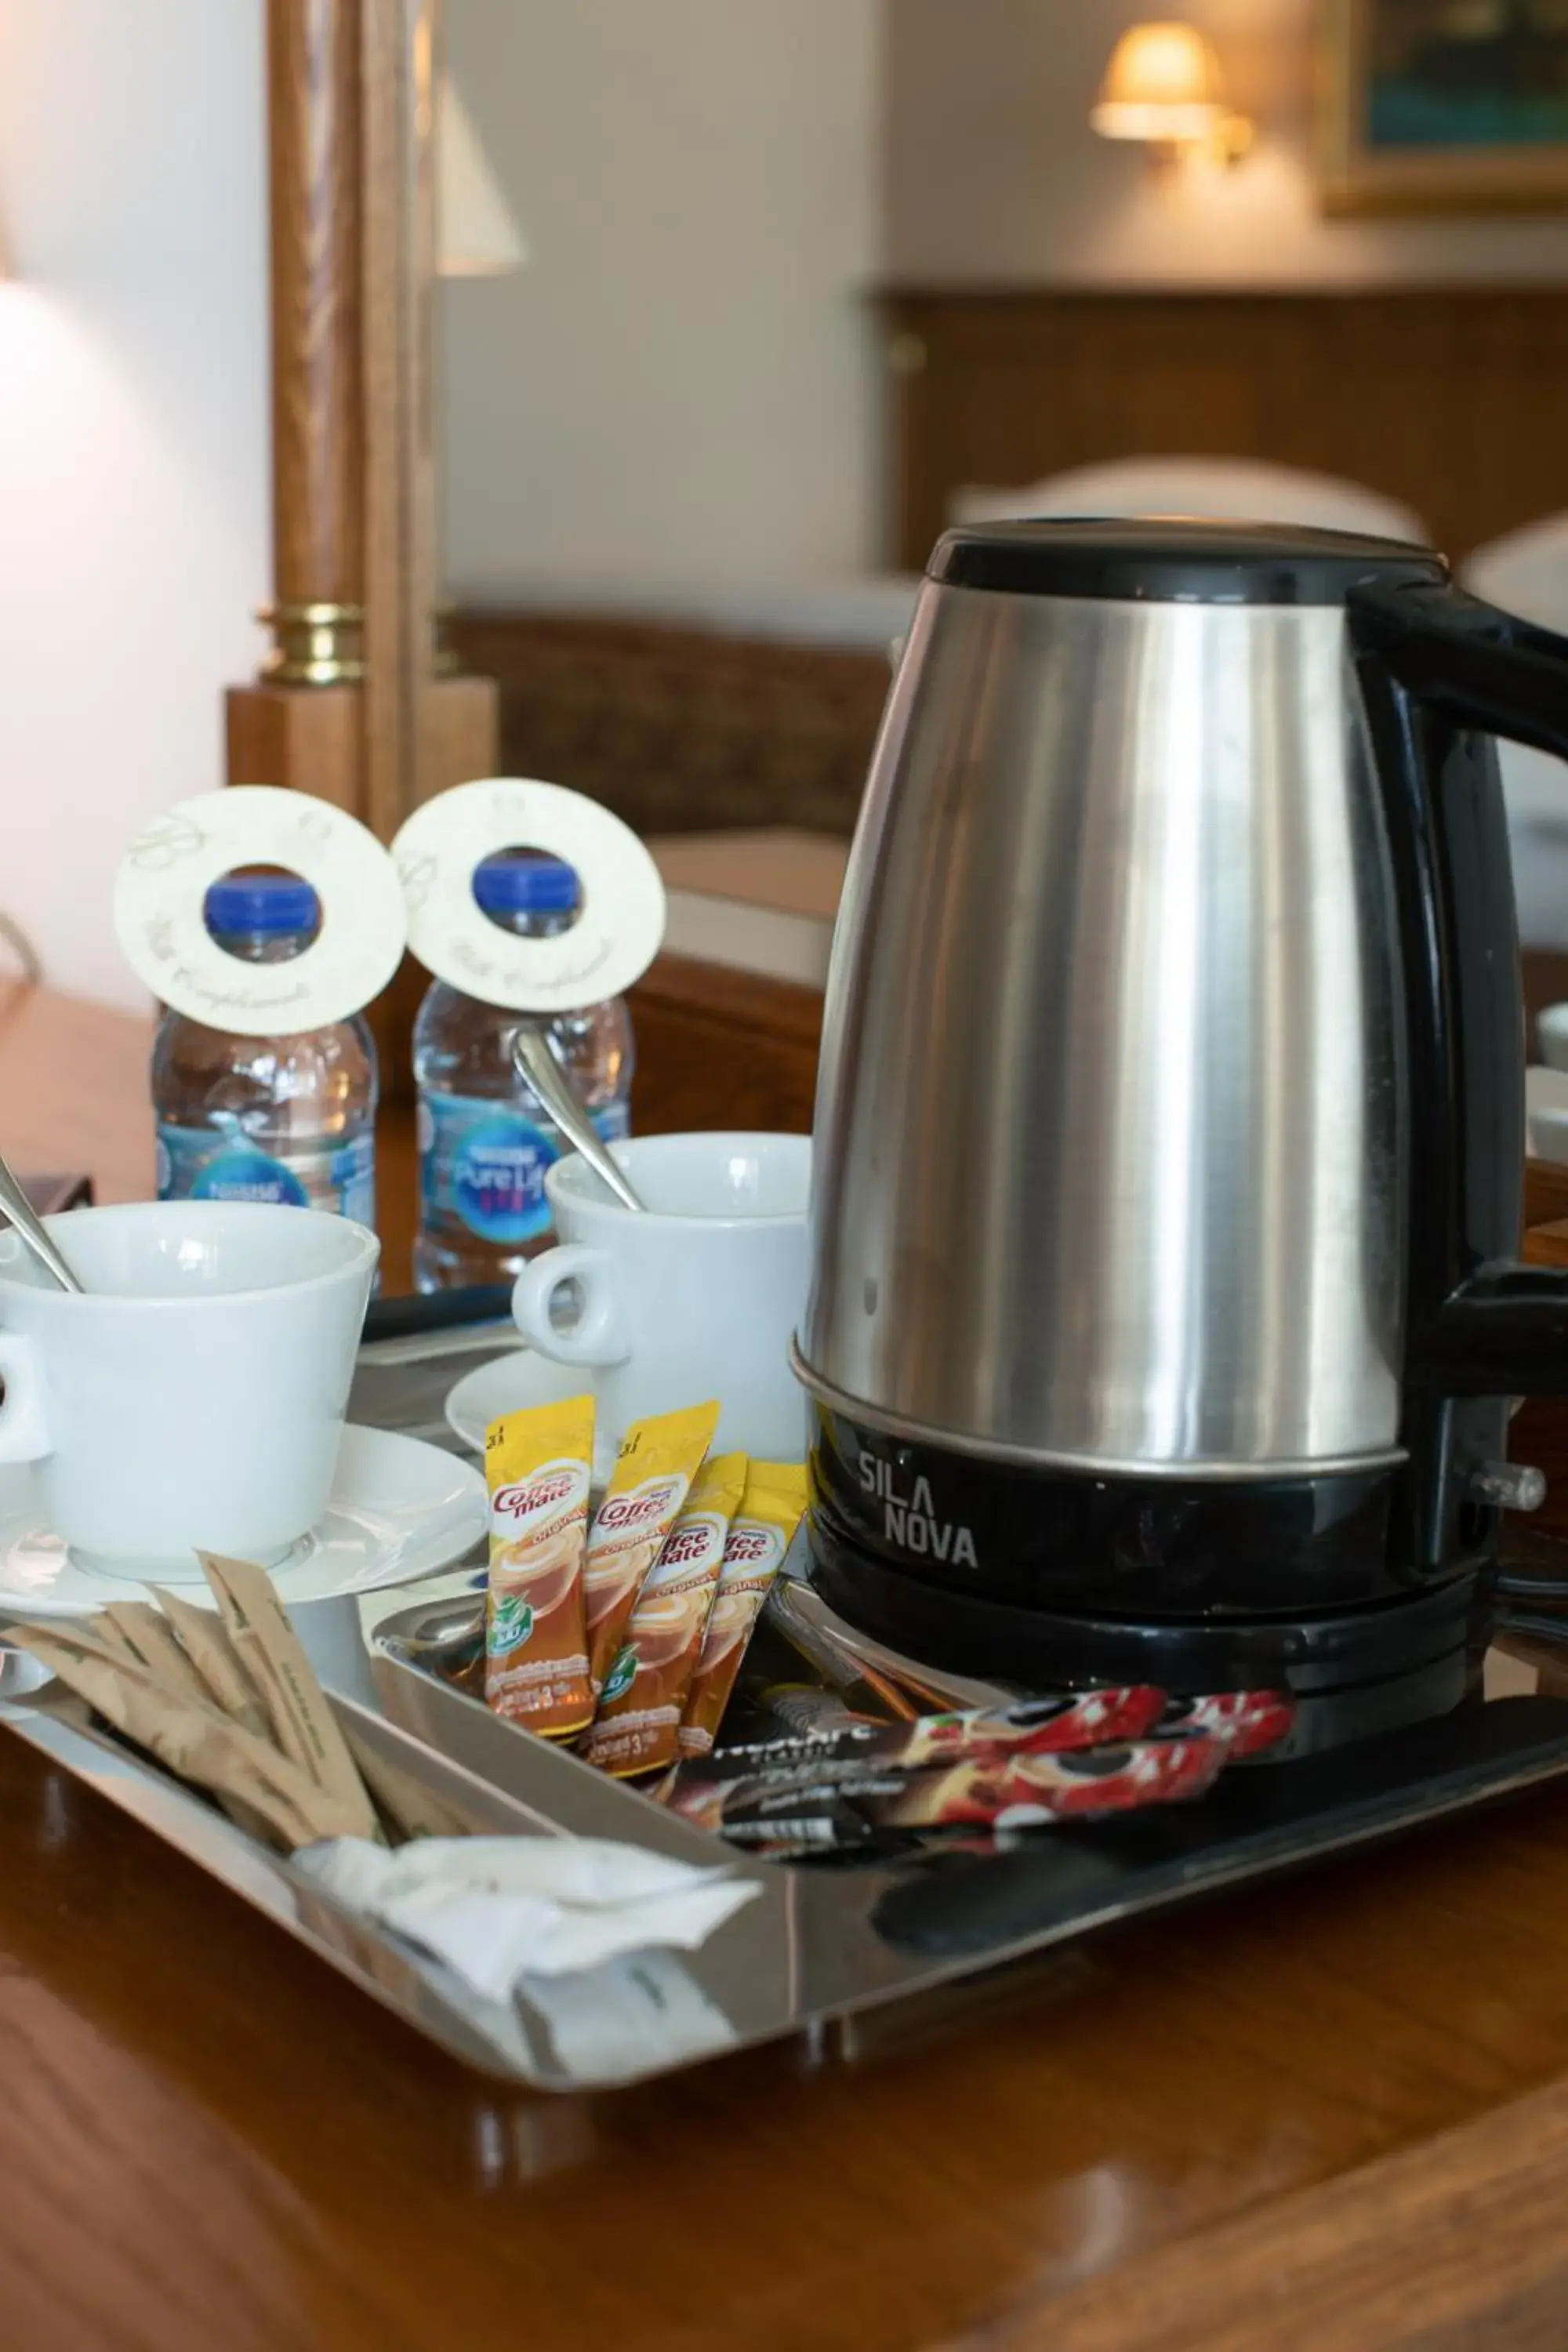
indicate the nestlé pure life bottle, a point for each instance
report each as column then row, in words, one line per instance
column 485, row 1138
column 285, row 1118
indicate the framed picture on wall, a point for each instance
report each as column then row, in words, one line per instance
column 1443, row 105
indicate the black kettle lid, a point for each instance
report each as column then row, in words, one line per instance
column 1174, row 559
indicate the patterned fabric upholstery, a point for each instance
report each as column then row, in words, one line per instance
column 681, row 729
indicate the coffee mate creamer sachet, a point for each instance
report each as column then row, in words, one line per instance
column 654, row 1469
column 537, row 1467
column 770, row 1510
column 636, row 1727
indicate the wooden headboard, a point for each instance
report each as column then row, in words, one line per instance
column 1453, row 399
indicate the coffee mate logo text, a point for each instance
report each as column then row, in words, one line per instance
column 696, row 1546
column 751, row 1546
column 554, row 1488
column 622, row 1513
column 909, row 1521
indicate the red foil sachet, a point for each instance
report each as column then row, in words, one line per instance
column 804, row 1813
column 1053, row 1723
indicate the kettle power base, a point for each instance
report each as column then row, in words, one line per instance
column 1354, row 1675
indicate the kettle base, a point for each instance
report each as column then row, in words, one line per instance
column 1354, row 1674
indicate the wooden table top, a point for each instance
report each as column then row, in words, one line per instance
column 1332, row 2112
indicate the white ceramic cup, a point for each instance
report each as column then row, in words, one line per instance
column 194, row 1394
column 698, row 1297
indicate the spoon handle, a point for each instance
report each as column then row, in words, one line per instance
column 532, row 1059
column 24, row 1216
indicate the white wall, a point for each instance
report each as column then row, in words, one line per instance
column 133, row 436
column 680, row 386
column 992, row 172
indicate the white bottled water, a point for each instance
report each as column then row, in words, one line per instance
column 266, row 1119
column 485, row 1138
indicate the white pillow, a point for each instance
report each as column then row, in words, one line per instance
column 1229, row 490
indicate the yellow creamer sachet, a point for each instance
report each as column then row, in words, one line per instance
column 637, row 1727
column 538, row 1465
column 659, row 1459
column 762, row 1530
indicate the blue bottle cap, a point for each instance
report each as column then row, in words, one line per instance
column 532, row 884
column 273, row 903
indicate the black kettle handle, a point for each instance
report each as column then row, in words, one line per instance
column 1437, row 667
column 1480, row 666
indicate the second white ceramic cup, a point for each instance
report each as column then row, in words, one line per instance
column 698, row 1297
column 194, row 1394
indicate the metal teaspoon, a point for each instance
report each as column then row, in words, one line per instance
column 24, row 1218
column 534, row 1060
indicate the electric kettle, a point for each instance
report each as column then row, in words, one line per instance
column 1165, row 1310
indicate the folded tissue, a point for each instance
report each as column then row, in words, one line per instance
column 496, row 1910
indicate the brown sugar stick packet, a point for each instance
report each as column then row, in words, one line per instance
column 191, row 1739
column 202, row 1662
column 410, row 1808
column 220, row 1675
column 150, row 1639
column 764, row 1528
column 637, row 1727
column 303, row 1722
column 109, row 1637
column 148, row 1636
column 216, row 1663
column 538, row 1468
column 659, row 1459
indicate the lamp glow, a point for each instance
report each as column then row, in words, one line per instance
column 1163, row 86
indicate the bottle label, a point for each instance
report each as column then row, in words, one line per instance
column 484, row 1164
column 197, row 1164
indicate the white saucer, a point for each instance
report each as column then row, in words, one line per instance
column 400, row 1509
column 511, row 1383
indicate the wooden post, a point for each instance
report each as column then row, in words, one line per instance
column 301, row 725
column 350, row 705
column 317, row 375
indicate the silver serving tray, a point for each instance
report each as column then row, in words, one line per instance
column 831, row 1955
column 841, row 1956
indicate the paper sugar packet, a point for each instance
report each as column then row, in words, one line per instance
column 657, row 1460
column 196, row 1741
column 144, row 1633
column 273, row 1655
column 151, row 1638
column 216, row 1661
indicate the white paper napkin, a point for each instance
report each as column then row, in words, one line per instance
column 636, row 2015
column 498, row 1909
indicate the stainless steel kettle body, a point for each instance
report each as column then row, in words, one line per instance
column 1170, row 1124
column 1112, row 1142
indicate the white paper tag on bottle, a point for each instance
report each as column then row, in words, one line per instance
column 619, row 924
column 160, row 898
